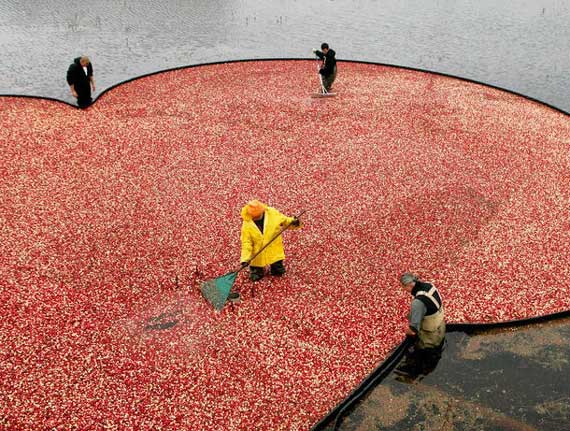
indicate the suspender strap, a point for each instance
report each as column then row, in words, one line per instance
column 430, row 296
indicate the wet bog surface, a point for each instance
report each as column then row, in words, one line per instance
column 509, row 379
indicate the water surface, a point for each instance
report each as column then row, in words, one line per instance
column 510, row 379
column 522, row 45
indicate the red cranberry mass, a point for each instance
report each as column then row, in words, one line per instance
column 112, row 216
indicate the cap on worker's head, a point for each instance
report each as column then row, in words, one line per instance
column 253, row 210
column 407, row 278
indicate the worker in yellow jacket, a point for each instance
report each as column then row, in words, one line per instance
column 261, row 224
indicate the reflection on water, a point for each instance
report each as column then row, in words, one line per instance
column 521, row 44
column 515, row 379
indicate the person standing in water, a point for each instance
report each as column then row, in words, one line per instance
column 81, row 81
column 328, row 67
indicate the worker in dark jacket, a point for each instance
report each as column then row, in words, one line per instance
column 426, row 326
column 81, row 81
column 328, row 68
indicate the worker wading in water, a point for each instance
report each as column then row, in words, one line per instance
column 261, row 224
column 426, row 327
column 328, row 69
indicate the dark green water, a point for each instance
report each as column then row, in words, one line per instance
column 515, row 379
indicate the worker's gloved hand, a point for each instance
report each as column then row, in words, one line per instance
column 296, row 222
column 315, row 50
column 244, row 264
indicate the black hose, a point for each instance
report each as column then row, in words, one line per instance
column 372, row 379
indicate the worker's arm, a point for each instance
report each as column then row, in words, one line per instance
column 246, row 245
column 293, row 222
column 411, row 332
column 416, row 316
column 91, row 77
column 71, row 80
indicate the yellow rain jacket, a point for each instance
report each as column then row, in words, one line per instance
column 252, row 240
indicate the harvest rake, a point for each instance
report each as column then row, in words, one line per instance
column 217, row 290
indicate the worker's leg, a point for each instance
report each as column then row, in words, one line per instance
column 256, row 273
column 431, row 339
column 277, row 268
column 409, row 366
column 327, row 83
column 328, row 80
column 332, row 78
column 430, row 358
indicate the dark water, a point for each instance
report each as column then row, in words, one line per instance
column 517, row 379
column 522, row 45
